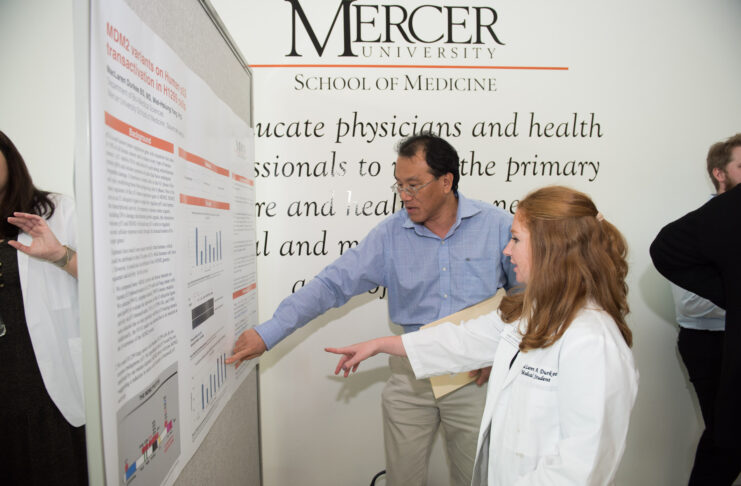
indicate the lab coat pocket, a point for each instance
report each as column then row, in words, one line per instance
column 532, row 429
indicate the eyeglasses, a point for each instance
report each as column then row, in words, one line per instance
column 412, row 190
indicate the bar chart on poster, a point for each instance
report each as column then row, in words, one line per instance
column 173, row 241
column 207, row 387
column 208, row 247
column 206, row 242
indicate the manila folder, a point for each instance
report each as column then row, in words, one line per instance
column 444, row 384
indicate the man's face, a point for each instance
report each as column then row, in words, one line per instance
column 732, row 170
column 412, row 173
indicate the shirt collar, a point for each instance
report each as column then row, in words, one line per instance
column 466, row 209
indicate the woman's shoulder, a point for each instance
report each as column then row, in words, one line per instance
column 61, row 199
column 593, row 322
column 63, row 204
column 594, row 341
column 63, row 222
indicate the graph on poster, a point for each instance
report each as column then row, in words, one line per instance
column 149, row 432
column 208, row 381
column 207, row 240
column 208, row 247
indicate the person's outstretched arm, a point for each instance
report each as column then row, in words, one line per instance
column 358, row 270
column 441, row 349
column 353, row 355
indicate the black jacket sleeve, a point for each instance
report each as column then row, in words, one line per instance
column 682, row 254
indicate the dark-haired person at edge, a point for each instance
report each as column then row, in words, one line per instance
column 700, row 253
column 563, row 381
column 438, row 256
column 42, row 415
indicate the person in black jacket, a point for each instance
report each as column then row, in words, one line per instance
column 701, row 252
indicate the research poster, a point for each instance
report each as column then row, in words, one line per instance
column 174, row 247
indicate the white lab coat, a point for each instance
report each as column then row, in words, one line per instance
column 52, row 315
column 559, row 415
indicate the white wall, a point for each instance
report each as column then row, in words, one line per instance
column 664, row 73
column 37, row 88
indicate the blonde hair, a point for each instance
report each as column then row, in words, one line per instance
column 576, row 256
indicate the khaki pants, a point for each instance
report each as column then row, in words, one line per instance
column 411, row 417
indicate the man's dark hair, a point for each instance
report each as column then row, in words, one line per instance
column 441, row 157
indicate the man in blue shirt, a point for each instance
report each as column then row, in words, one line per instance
column 441, row 254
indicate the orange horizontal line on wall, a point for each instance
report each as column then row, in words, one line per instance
column 405, row 66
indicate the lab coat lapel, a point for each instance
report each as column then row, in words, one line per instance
column 509, row 347
column 25, row 239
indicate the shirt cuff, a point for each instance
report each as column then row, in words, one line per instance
column 269, row 335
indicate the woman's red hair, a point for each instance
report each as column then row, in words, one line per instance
column 576, row 257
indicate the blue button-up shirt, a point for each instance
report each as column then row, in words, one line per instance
column 427, row 277
column 694, row 312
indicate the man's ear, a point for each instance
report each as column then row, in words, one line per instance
column 448, row 181
column 720, row 175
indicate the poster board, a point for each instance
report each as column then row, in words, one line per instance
column 169, row 215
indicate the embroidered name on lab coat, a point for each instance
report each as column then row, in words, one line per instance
column 540, row 374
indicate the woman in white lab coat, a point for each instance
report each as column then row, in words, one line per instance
column 563, row 381
column 42, row 414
